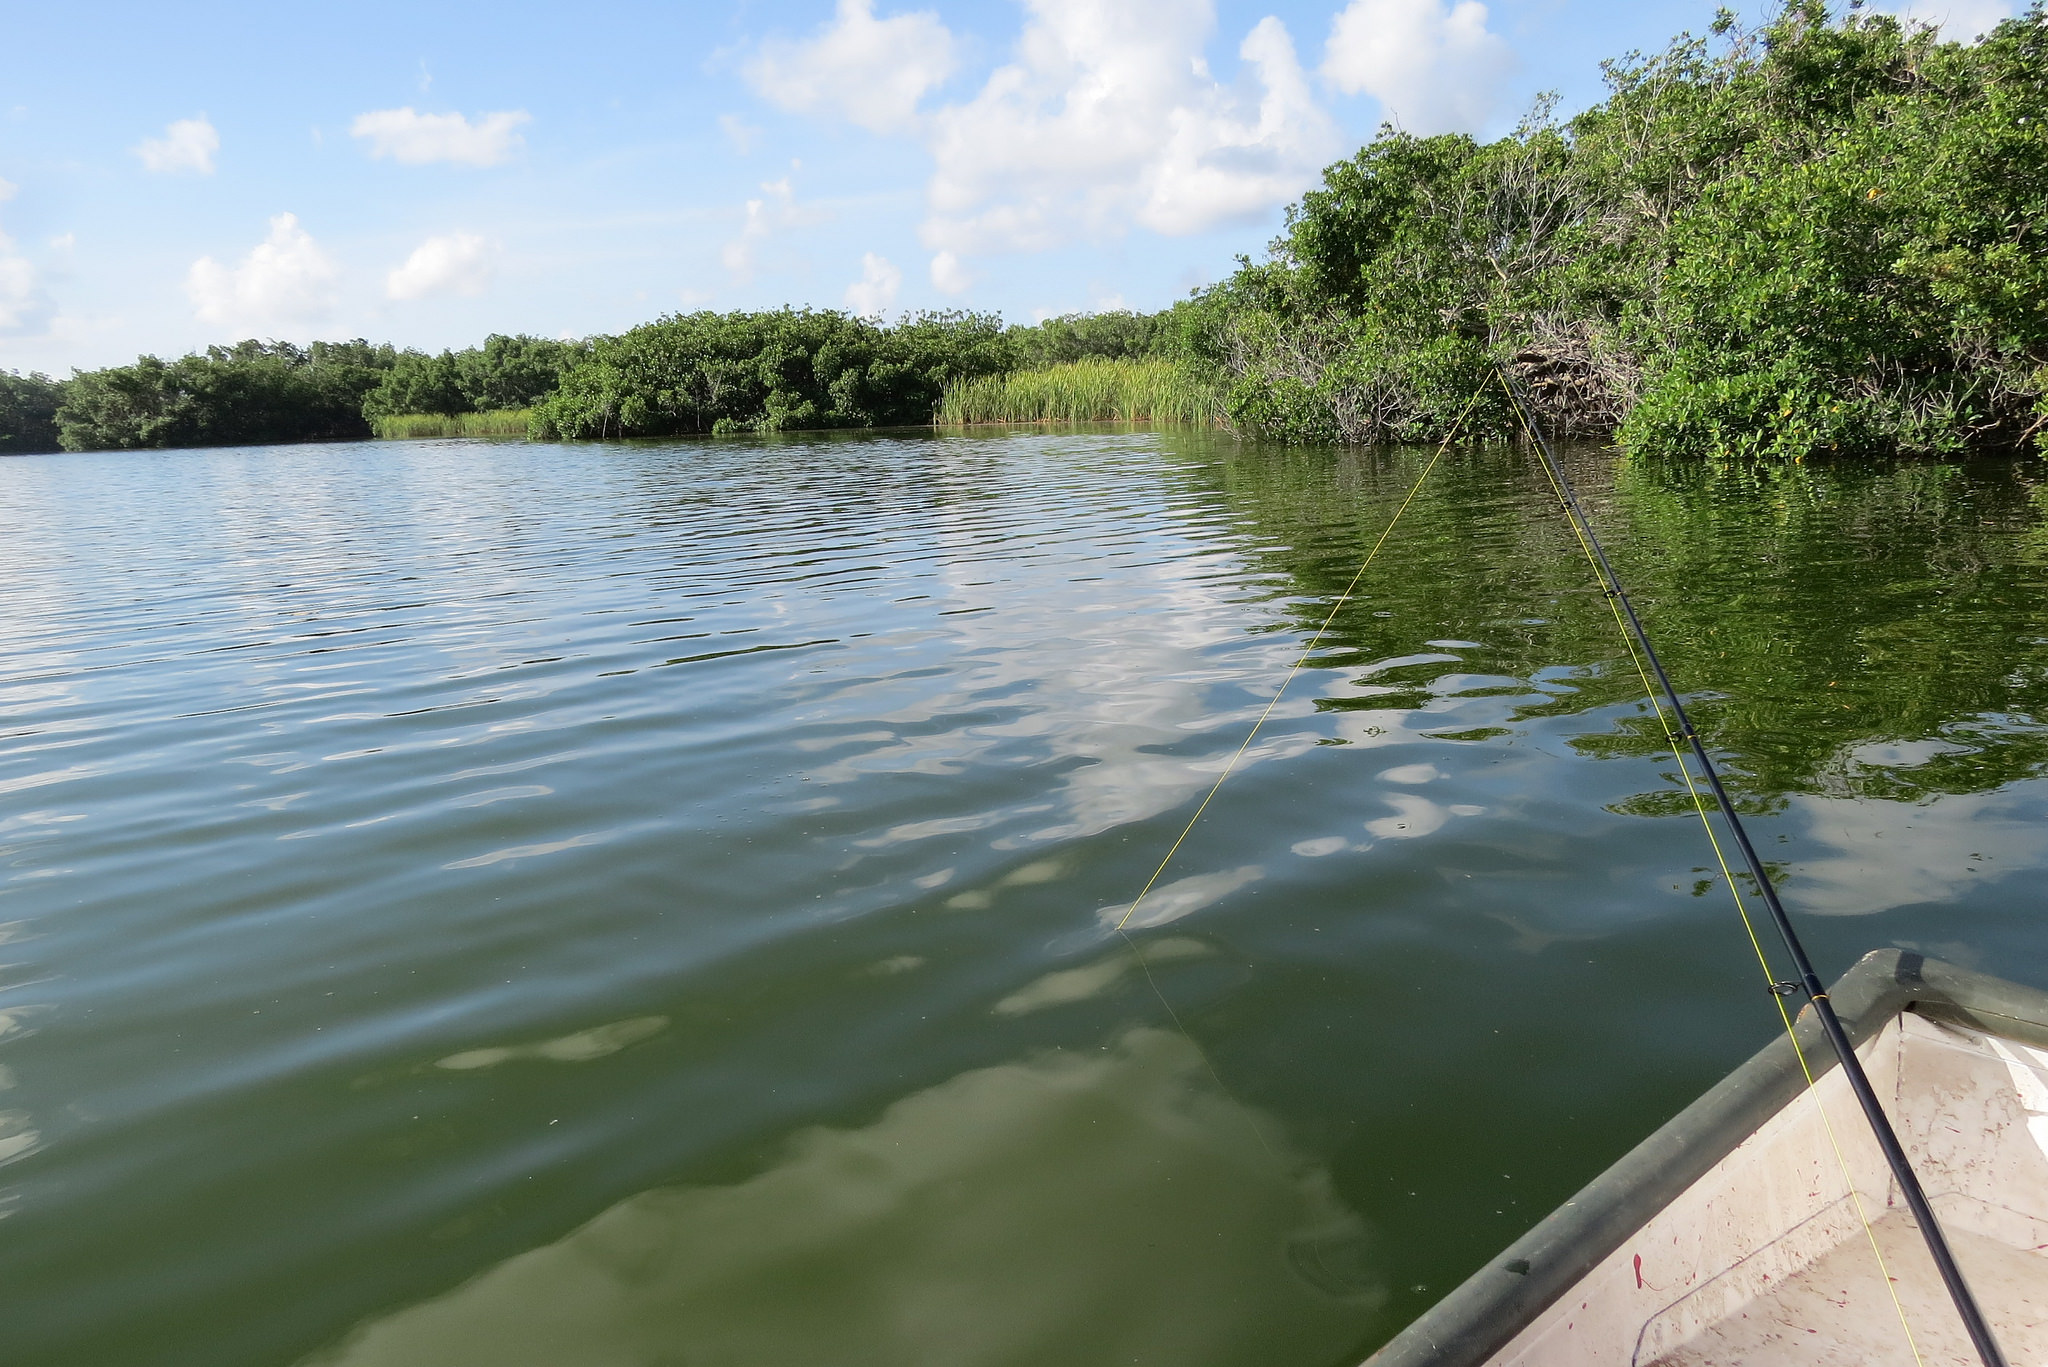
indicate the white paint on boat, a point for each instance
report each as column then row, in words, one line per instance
column 1765, row 1259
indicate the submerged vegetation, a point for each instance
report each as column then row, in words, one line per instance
column 1827, row 234
column 1144, row 389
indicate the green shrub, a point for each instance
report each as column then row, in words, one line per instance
column 503, row 374
column 28, row 413
column 1112, row 335
column 1822, row 235
column 765, row 372
column 249, row 393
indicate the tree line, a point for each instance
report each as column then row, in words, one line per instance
column 698, row 372
column 1826, row 234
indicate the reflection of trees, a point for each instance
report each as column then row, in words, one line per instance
column 1812, row 614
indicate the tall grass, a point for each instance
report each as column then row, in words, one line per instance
column 1088, row 390
column 500, row 422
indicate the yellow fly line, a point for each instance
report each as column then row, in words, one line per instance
column 1699, row 801
column 1303, row 659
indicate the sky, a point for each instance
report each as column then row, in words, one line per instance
column 427, row 174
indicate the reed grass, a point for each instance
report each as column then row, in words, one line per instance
column 1088, row 390
column 500, row 422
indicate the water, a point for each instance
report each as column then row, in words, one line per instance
column 507, row 904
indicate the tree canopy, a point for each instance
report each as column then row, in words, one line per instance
column 1826, row 234
column 765, row 372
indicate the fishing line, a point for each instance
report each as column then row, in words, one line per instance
column 1307, row 651
column 1231, row 766
column 1644, row 655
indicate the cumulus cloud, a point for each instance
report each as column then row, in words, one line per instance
column 407, row 136
column 25, row 305
column 187, row 145
column 1111, row 116
column 1108, row 117
column 949, row 274
column 285, row 279
column 1433, row 69
column 872, row 294
column 774, row 210
column 870, row 71
column 453, row 263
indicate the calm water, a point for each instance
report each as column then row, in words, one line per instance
column 629, row 905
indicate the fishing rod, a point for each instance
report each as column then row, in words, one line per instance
column 1809, row 982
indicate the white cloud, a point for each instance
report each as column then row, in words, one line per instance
column 1110, row 117
column 285, row 279
column 949, row 275
column 776, row 209
column 453, row 263
column 1871, row 854
column 868, row 70
column 1433, row 70
column 1959, row 20
column 25, row 306
column 872, row 294
column 187, row 145
column 415, row 139
column 741, row 134
column 1184, row 897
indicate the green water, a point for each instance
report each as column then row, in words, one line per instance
column 628, row 905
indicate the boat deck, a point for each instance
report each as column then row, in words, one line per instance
column 1834, row 1311
column 1736, row 1233
column 1765, row 1260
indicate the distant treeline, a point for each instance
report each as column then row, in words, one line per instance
column 698, row 372
column 254, row 393
column 1828, row 234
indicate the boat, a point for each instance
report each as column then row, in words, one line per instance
column 1762, row 1225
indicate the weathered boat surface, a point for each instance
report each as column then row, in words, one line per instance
column 1734, row 1233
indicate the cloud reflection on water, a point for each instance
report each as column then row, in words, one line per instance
column 1885, row 854
column 599, row 1041
column 1183, row 897
column 1074, row 1208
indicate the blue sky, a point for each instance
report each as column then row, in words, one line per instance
column 177, row 175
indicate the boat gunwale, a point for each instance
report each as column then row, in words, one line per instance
column 1514, row 1287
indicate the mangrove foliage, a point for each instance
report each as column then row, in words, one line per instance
column 767, row 372
column 1826, row 234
